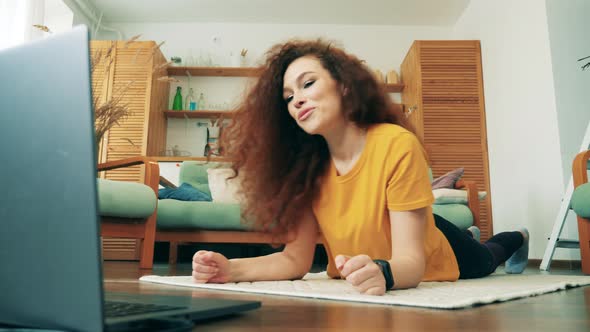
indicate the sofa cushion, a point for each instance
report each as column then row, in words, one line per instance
column 195, row 174
column 225, row 188
column 174, row 214
column 454, row 196
column 581, row 200
column 458, row 214
column 125, row 199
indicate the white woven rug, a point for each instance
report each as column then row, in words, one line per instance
column 439, row 295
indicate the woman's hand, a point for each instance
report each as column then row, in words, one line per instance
column 364, row 274
column 210, row 267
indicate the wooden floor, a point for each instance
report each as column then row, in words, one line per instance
column 561, row 311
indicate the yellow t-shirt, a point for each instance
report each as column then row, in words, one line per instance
column 353, row 210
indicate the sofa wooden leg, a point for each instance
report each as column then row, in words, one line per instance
column 584, row 236
column 147, row 249
column 173, row 256
column 146, row 260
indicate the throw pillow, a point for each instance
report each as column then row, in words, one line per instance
column 448, row 180
column 454, row 196
column 185, row 192
column 223, row 189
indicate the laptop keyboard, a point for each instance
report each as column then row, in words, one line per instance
column 119, row 309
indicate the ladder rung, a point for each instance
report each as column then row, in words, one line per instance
column 571, row 244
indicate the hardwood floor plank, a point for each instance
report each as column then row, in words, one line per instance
column 567, row 310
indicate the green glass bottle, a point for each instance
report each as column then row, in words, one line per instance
column 177, row 105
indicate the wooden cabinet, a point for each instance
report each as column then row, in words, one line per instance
column 444, row 105
column 133, row 77
column 130, row 73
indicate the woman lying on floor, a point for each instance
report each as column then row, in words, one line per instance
column 317, row 149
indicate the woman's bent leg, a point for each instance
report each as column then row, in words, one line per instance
column 478, row 260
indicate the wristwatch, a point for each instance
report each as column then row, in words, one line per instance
column 386, row 270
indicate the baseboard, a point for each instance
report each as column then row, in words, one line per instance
column 556, row 263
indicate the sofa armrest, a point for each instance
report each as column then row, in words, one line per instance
column 126, row 162
column 152, row 169
column 580, row 168
column 166, row 183
column 472, row 198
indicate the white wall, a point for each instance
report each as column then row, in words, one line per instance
column 568, row 32
column 523, row 139
column 58, row 17
column 383, row 47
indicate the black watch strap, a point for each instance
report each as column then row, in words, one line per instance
column 386, row 270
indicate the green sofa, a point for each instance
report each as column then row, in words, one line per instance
column 128, row 209
column 125, row 199
column 580, row 203
column 174, row 214
column 461, row 215
column 187, row 221
column 458, row 214
column 131, row 210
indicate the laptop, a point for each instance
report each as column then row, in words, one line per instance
column 51, row 275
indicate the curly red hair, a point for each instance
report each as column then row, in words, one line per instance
column 278, row 163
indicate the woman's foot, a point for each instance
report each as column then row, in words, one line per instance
column 475, row 233
column 519, row 260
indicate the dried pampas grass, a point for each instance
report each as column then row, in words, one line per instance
column 112, row 111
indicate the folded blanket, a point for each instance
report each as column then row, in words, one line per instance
column 185, row 192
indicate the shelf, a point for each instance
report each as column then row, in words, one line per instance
column 394, row 87
column 214, row 71
column 198, row 114
column 181, row 159
column 241, row 72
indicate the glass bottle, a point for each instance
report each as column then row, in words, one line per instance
column 189, row 102
column 207, row 146
column 201, row 101
column 177, row 104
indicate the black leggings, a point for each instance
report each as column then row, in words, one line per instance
column 478, row 260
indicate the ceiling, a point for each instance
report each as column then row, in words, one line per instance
column 353, row 12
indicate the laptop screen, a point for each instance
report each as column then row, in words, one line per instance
column 49, row 243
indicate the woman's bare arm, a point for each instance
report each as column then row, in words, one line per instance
column 292, row 263
column 408, row 261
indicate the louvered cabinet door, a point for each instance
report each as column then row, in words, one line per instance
column 451, row 120
column 160, row 90
column 130, row 79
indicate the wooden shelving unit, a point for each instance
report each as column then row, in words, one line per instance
column 198, row 114
column 226, row 114
column 242, row 72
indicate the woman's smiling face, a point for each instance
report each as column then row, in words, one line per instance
column 313, row 97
